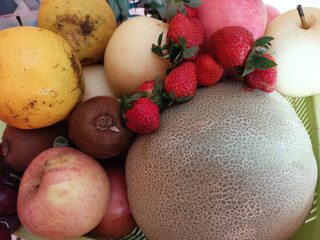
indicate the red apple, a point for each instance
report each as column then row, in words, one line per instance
column 63, row 194
column 118, row 220
column 217, row 14
column 272, row 13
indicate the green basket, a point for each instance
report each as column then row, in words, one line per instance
column 308, row 110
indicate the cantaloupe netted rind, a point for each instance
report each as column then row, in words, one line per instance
column 230, row 164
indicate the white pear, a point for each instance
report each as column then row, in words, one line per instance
column 297, row 52
column 96, row 82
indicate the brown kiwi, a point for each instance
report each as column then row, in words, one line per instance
column 96, row 128
column 21, row 146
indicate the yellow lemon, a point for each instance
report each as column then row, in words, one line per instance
column 41, row 78
column 86, row 24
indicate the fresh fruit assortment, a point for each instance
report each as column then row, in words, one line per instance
column 233, row 47
column 127, row 125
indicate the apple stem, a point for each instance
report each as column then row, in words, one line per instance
column 19, row 20
column 304, row 23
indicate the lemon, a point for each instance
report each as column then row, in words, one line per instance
column 41, row 78
column 86, row 24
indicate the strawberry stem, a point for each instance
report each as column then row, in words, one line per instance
column 304, row 23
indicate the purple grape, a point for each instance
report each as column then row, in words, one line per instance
column 12, row 221
column 3, row 163
column 8, row 200
column 7, row 174
column 4, row 233
column 8, row 177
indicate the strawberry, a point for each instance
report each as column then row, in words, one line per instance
column 231, row 45
column 146, row 86
column 263, row 79
column 152, row 90
column 191, row 30
column 143, row 116
column 175, row 52
column 184, row 40
column 208, row 70
column 191, row 12
column 181, row 82
column 186, row 7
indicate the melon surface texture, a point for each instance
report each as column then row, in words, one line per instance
column 228, row 165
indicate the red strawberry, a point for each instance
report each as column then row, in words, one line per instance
column 143, row 117
column 208, row 70
column 146, row 86
column 151, row 89
column 187, row 7
column 181, row 82
column 264, row 80
column 190, row 13
column 184, row 27
column 184, row 40
column 231, row 45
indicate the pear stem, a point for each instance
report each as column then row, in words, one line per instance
column 304, row 23
column 19, row 20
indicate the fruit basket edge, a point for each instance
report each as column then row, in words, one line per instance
column 308, row 110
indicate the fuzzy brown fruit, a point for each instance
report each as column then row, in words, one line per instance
column 21, row 146
column 96, row 128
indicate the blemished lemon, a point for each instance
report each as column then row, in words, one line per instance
column 86, row 24
column 41, row 78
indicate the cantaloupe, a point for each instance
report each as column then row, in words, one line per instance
column 228, row 165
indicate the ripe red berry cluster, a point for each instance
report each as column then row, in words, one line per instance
column 190, row 68
column 234, row 49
